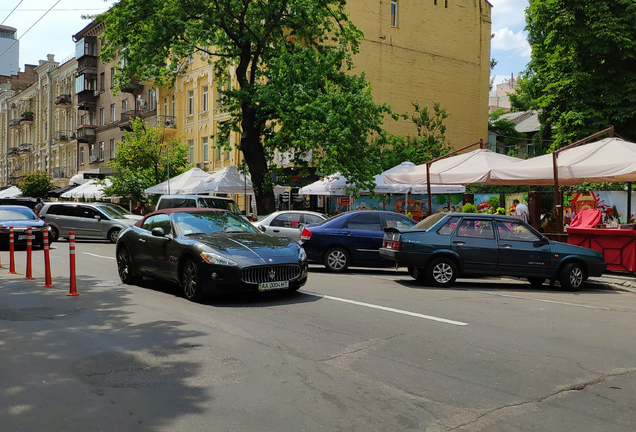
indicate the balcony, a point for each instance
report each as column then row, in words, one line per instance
column 14, row 179
column 134, row 87
column 14, row 124
column 87, row 65
column 86, row 134
column 86, row 100
column 160, row 121
column 13, row 151
column 63, row 101
column 24, row 148
column 127, row 119
column 220, row 113
column 26, row 118
column 64, row 136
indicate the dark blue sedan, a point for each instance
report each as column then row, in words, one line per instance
column 351, row 239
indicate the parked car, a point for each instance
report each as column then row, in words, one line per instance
column 445, row 246
column 87, row 220
column 208, row 251
column 351, row 239
column 20, row 218
column 286, row 223
column 198, row 201
column 20, row 201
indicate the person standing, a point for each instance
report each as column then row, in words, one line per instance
column 521, row 210
column 139, row 209
column 38, row 207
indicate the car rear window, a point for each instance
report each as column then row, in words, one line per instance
column 429, row 222
column 176, row 203
column 211, row 202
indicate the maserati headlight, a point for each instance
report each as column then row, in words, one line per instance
column 302, row 255
column 212, row 258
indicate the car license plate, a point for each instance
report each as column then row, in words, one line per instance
column 22, row 237
column 266, row 286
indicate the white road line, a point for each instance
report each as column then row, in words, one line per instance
column 372, row 306
column 98, row 256
column 544, row 300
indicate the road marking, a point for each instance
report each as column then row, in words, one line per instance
column 544, row 300
column 388, row 309
column 98, row 256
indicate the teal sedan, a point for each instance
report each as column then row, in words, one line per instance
column 444, row 246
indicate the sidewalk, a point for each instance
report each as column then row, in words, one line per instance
column 618, row 281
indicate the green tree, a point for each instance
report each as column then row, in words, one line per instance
column 289, row 58
column 428, row 144
column 504, row 129
column 141, row 161
column 582, row 73
column 35, row 184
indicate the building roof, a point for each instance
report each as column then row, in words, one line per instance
column 525, row 121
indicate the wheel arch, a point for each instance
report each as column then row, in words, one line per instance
column 453, row 256
column 570, row 260
column 336, row 245
column 186, row 255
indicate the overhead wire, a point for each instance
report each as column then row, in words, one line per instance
column 40, row 19
column 11, row 12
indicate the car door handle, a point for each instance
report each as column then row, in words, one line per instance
column 142, row 241
column 459, row 242
column 506, row 245
column 276, row 230
column 347, row 233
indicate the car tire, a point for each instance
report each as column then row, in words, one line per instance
column 536, row 281
column 441, row 272
column 337, row 260
column 125, row 267
column 572, row 276
column 113, row 235
column 191, row 281
column 417, row 273
column 54, row 235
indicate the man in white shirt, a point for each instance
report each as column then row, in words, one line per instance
column 521, row 210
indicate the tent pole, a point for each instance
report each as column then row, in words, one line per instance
column 406, row 203
column 428, row 188
column 557, row 194
column 629, row 201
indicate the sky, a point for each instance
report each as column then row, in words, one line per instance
column 47, row 27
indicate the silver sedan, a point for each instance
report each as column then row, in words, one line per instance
column 287, row 223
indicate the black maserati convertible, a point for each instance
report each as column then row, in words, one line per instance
column 208, row 251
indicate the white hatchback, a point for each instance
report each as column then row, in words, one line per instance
column 287, row 223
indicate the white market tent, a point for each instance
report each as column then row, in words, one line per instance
column 91, row 189
column 227, row 181
column 465, row 168
column 607, row 160
column 181, row 184
column 11, row 192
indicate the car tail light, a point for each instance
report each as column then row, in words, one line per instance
column 305, row 234
column 393, row 245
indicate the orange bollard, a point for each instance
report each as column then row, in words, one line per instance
column 47, row 262
column 11, row 253
column 29, row 267
column 71, row 250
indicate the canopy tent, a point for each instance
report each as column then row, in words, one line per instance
column 77, row 179
column 465, row 168
column 336, row 184
column 11, row 192
column 607, row 160
column 58, row 191
column 227, row 181
column 91, row 189
column 181, row 184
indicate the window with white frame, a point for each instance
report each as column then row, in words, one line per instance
column 205, row 149
column 394, row 13
column 173, row 107
column 152, row 99
column 205, row 99
column 113, row 112
column 112, row 148
column 91, row 150
column 191, row 102
column 81, row 156
column 191, row 146
column 165, row 106
column 101, row 150
column 124, row 105
column 102, row 117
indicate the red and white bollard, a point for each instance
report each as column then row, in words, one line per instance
column 71, row 251
column 29, row 266
column 11, row 253
column 47, row 261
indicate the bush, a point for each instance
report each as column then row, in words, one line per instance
column 469, row 208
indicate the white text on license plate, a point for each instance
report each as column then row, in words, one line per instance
column 22, row 237
column 265, row 286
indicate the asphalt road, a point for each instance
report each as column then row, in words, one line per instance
column 366, row 351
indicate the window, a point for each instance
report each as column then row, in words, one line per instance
column 191, row 145
column 82, row 156
column 45, row 131
column 366, row 222
column 190, row 102
column 311, row 219
column 102, row 81
column 218, row 154
column 394, row 6
column 172, row 110
column 102, row 117
column 397, row 220
column 165, row 106
column 286, row 220
column 227, row 152
column 91, row 150
column 112, row 148
column 112, row 77
column 88, row 213
column 515, row 231
column 152, row 99
column 205, row 149
column 448, row 228
column 124, row 105
column 101, row 150
column 205, row 99
column 476, row 229
column 158, row 221
column 113, row 112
